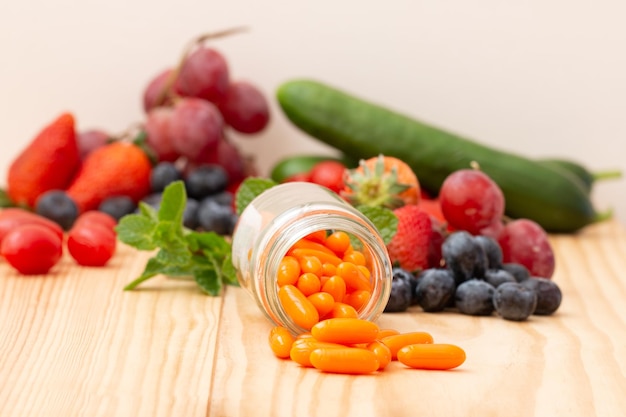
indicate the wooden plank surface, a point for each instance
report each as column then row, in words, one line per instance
column 75, row 344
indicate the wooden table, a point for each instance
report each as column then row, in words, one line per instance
column 74, row 344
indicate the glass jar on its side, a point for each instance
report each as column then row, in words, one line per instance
column 277, row 219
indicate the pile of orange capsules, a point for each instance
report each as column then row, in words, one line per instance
column 322, row 284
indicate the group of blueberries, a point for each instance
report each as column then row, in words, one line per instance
column 474, row 281
column 209, row 205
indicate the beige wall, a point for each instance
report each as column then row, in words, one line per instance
column 535, row 77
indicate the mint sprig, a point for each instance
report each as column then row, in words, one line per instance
column 182, row 253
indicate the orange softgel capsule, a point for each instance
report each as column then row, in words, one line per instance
column 398, row 341
column 281, row 340
column 438, row 356
column 298, row 307
column 345, row 360
column 346, row 331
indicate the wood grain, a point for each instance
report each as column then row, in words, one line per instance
column 74, row 344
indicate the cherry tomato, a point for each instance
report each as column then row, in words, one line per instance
column 329, row 174
column 32, row 249
column 91, row 244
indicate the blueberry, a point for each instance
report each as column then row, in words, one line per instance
column 214, row 217
column 463, row 256
column 513, row 301
column 400, row 296
column 435, row 288
column 153, row 200
column 498, row 276
column 549, row 294
column 163, row 174
column 475, row 297
column 492, row 250
column 57, row 206
column 206, row 180
column 117, row 206
column 409, row 277
column 190, row 215
column 519, row 271
column 224, row 198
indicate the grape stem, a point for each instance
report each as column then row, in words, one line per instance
column 194, row 43
column 607, row 175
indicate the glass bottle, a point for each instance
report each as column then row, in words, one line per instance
column 278, row 218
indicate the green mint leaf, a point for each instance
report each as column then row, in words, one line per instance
column 249, row 189
column 137, row 231
column 173, row 203
column 148, row 211
column 229, row 273
column 209, row 240
column 208, row 280
column 169, row 237
column 383, row 218
column 5, row 200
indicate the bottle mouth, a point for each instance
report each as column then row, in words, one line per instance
column 298, row 222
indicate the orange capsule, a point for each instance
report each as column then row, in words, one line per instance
column 297, row 306
column 382, row 352
column 301, row 350
column 321, row 256
column 336, row 287
column 338, row 242
column 347, row 331
column 398, row 341
column 310, row 264
column 355, row 257
column 329, row 269
column 288, row 271
column 353, row 278
column 386, row 332
column 323, row 302
column 318, row 236
column 308, row 283
column 345, row 360
column 357, row 299
column 365, row 271
column 281, row 341
column 343, row 310
column 310, row 244
column 432, row 356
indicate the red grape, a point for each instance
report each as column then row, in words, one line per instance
column 155, row 90
column 195, row 127
column 470, row 200
column 523, row 241
column 245, row 108
column 204, row 74
column 329, row 174
column 158, row 135
column 90, row 140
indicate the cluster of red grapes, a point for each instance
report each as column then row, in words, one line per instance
column 191, row 106
column 471, row 201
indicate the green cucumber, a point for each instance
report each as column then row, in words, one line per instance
column 361, row 129
column 587, row 177
column 297, row 164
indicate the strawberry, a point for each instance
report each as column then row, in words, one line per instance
column 116, row 169
column 409, row 247
column 381, row 181
column 49, row 162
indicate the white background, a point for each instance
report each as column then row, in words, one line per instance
column 542, row 78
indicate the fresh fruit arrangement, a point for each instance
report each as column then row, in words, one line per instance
column 455, row 251
column 190, row 111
